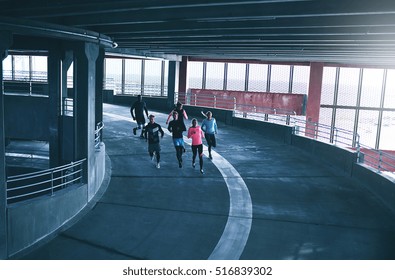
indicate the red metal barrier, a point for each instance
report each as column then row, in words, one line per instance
column 286, row 101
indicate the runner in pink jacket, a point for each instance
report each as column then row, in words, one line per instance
column 196, row 134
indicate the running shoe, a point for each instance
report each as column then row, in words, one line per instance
column 158, row 165
column 202, row 171
column 134, row 130
column 210, row 156
column 193, row 164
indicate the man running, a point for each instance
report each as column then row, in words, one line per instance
column 209, row 126
column 137, row 112
column 182, row 114
column 151, row 134
column 176, row 128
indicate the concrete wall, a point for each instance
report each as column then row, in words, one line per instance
column 343, row 159
column 33, row 220
column 26, row 117
column 379, row 184
column 277, row 132
column 156, row 103
column 225, row 116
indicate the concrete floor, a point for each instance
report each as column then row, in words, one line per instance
column 258, row 199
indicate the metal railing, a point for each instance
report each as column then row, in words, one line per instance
column 137, row 88
column 325, row 133
column 68, row 106
column 98, row 134
column 207, row 100
column 381, row 161
column 45, row 182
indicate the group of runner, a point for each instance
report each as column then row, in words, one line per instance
column 152, row 132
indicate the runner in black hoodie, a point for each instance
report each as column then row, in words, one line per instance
column 151, row 134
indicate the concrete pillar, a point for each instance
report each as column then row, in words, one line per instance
column 55, row 91
column 67, row 59
column 183, row 83
column 84, row 109
column 314, row 96
column 172, row 83
column 99, row 86
column 5, row 43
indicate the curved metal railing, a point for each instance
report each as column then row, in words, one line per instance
column 45, row 182
column 98, row 134
column 381, row 161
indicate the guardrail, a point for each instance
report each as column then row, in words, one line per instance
column 136, row 89
column 68, row 106
column 45, row 182
column 325, row 133
column 98, row 134
column 206, row 100
column 381, row 161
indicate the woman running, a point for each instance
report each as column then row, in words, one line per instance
column 196, row 134
column 209, row 126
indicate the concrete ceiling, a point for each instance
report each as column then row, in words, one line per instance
column 360, row 31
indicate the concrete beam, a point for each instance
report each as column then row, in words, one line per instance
column 5, row 43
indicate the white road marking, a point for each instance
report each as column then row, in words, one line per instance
column 237, row 229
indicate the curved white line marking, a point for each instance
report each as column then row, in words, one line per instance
column 237, row 229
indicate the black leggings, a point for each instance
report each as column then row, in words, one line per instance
column 157, row 153
column 211, row 141
column 179, row 151
column 195, row 150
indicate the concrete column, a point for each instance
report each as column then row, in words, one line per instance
column 68, row 58
column 55, row 90
column 5, row 43
column 99, row 86
column 84, row 108
column 172, row 83
column 183, row 83
column 314, row 95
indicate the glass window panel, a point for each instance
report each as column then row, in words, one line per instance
column 345, row 119
column 195, row 74
column 257, row 79
column 301, row 76
column 133, row 76
column 279, row 80
column 387, row 136
column 325, row 116
column 328, row 86
column 372, row 82
column 389, row 99
column 39, row 68
column 114, row 74
column 348, row 86
column 166, row 77
column 236, row 76
column 367, row 127
column 21, row 67
column 152, row 77
column 215, row 75
column 7, row 68
column 70, row 76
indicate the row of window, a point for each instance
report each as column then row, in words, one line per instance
column 361, row 100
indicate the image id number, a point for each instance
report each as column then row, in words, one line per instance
column 243, row 271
